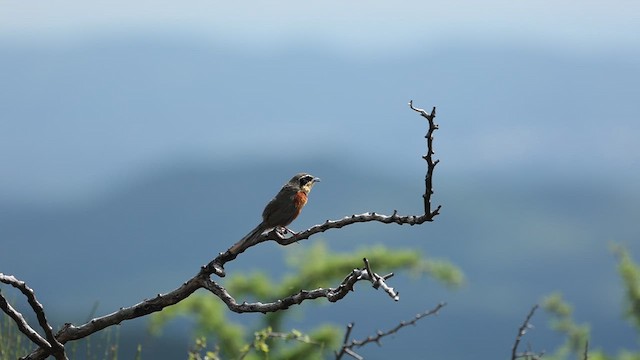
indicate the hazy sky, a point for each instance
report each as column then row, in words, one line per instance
column 360, row 25
column 73, row 68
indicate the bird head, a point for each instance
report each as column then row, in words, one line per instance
column 303, row 181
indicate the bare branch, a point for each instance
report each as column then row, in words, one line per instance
column 217, row 265
column 203, row 280
column 347, row 335
column 22, row 324
column 353, row 354
column 428, row 157
column 331, row 294
column 379, row 281
column 526, row 325
column 347, row 346
column 52, row 344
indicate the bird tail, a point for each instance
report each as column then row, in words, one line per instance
column 248, row 239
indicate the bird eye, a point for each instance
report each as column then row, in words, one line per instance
column 305, row 179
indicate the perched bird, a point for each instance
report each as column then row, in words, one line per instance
column 282, row 209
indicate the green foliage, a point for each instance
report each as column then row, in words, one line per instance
column 578, row 334
column 562, row 321
column 265, row 345
column 630, row 274
column 199, row 351
column 318, row 266
column 313, row 268
column 305, row 347
column 210, row 319
column 322, row 339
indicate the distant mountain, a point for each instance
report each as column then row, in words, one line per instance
column 516, row 237
column 77, row 115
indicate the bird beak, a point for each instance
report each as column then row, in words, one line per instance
column 316, row 179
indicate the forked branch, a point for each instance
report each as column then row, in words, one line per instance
column 51, row 343
column 526, row 325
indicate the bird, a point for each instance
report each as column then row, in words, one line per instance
column 281, row 210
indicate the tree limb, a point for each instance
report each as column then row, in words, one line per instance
column 53, row 345
column 217, row 264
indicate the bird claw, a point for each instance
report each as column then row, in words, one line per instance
column 283, row 230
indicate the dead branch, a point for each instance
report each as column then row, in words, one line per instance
column 347, row 346
column 54, row 344
column 431, row 164
column 526, row 325
column 217, row 264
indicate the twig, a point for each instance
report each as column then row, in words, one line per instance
column 379, row 281
column 353, row 354
column 347, row 334
column 344, row 349
column 586, row 350
column 347, row 346
column 428, row 157
column 526, row 325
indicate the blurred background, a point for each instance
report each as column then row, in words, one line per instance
column 139, row 139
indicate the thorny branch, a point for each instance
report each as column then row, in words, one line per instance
column 347, row 346
column 217, row 264
column 526, row 325
column 428, row 157
column 54, row 344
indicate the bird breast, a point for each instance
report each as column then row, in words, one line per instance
column 300, row 200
